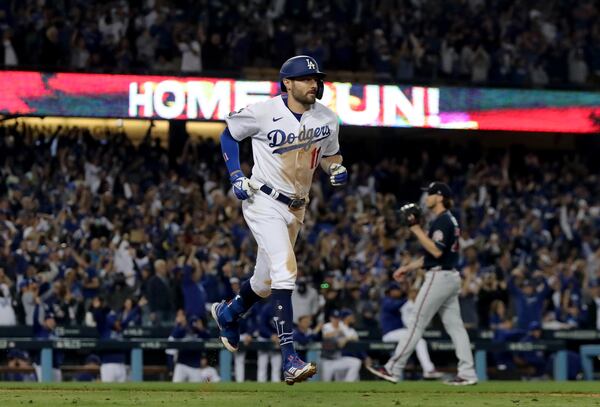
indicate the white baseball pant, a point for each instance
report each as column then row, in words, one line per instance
column 184, row 373
column 439, row 293
column 239, row 366
column 113, row 373
column 209, row 375
column 263, row 365
column 343, row 369
column 421, row 348
column 275, row 228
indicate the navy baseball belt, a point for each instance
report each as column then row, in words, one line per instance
column 292, row 203
column 439, row 268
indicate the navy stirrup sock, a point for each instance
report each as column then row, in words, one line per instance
column 241, row 302
column 284, row 321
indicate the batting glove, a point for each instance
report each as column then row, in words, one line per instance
column 338, row 174
column 241, row 187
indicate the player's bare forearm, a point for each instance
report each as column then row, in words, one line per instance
column 327, row 161
column 425, row 241
column 416, row 264
column 407, row 268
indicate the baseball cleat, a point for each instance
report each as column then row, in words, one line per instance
column 432, row 375
column 295, row 370
column 382, row 373
column 459, row 381
column 229, row 332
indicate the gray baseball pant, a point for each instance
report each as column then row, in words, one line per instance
column 439, row 293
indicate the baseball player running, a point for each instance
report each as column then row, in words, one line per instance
column 291, row 135
column 439, row 292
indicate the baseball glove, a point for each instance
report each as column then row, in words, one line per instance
column 409, row 215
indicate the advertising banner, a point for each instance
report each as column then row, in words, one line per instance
column 209, row 99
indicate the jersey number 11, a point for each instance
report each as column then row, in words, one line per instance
column 314, row 158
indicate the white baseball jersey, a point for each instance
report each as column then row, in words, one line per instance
column 286, row 152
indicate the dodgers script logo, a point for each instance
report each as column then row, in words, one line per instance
column 305, row 139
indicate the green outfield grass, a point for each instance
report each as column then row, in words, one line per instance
column 541, row 394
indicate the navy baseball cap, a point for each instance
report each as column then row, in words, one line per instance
column 95, row 359
column 345, row 312
column 17, row 354
column 298, row 66
column 393, row 286
column 301, row 65
column 24, row 283
column 438, row 188
column 534, row 325
column 335, row 314
column 111, row 319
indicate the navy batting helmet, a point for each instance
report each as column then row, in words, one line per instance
column 302, row 65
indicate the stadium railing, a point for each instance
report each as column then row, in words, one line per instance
column 137, row 346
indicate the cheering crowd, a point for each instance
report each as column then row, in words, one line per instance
column 104, row 233
column 511, row 43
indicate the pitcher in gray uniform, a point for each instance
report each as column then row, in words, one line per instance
column 439, row 292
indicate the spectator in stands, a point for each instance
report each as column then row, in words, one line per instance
column 470, row 290
column 480, row 65
column 194, row 294
column 491, row 290
column 7, row 312
column 191, row 53
column 498, row 318
column 569, row 313
column 529, row 298
column 29, row 290
column 513, row 45
column 592, row 307
column 214, row 52
column 159, row 296
column 534, row 205
column 52, row 54
column 305, row 299
column 9, row 56
column 578, row 69
column 117, row 291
